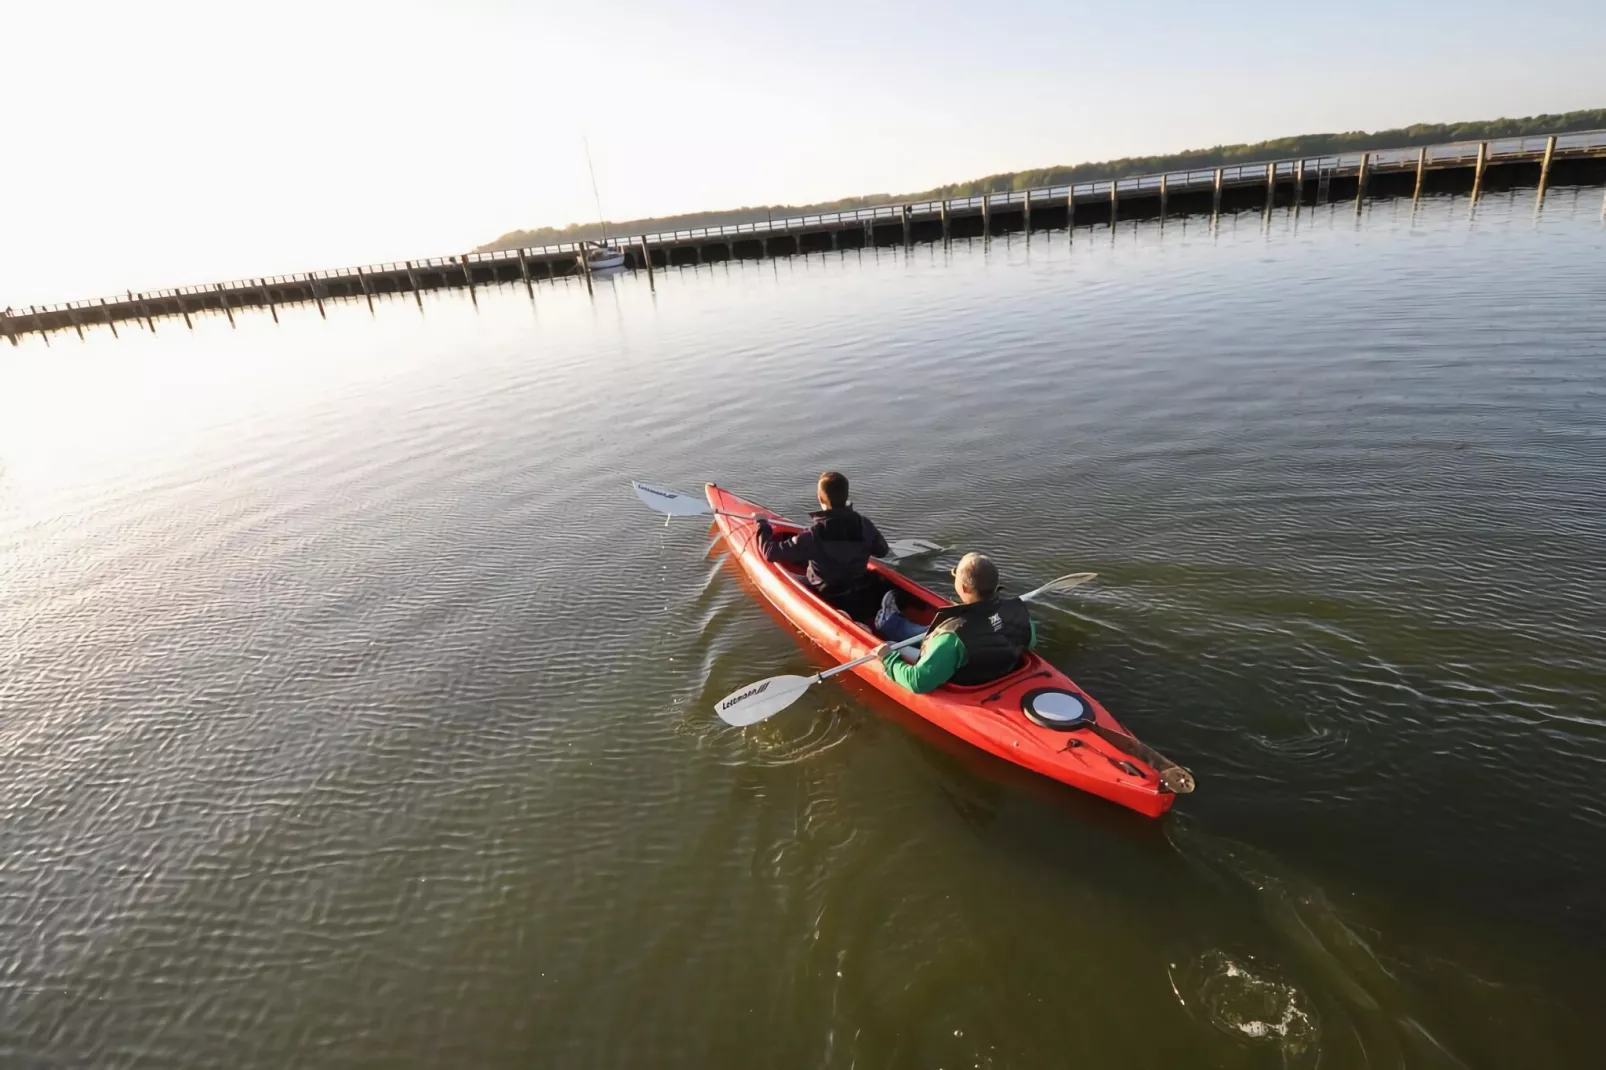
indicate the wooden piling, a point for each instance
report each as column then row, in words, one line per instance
column 1421, row 171
column 367, row 291
column 1115, row 196
column 1164, row 187
column 39, row 323
column 178, row 299
column 1070, row 209
column 1477, row 175
column 105, row 310
column 529, row 287
column 468, row 276
column 143, row 310
column 1271, row 183
column 1360, row 180
column 945, row 229
column 1215, row 196
column 223, row 299
column 585, row 265
column 1544, row 168
column 5, row 321
column 412, row 280
column 986, row 215
column 1299, row 183
column 1026, row 212
column 908, row 229
column 317, row 293
column 646, row 259
column 77, row 324
column 267, row 295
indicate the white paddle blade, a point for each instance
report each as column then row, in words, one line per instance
column 764, row 699
column 901, row 550
column 1064, row 583
column 670, row 502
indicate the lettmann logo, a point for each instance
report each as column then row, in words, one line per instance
column 745, row 695
column 655, row 490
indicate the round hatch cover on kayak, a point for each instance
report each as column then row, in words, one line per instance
column 1053, row 708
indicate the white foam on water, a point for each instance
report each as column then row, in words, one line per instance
column 1246, row 1002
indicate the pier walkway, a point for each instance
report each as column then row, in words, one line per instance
column 1470, row 168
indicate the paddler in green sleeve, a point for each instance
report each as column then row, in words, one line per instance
column 975, row 642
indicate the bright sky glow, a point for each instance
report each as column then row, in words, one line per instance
column 166, row 143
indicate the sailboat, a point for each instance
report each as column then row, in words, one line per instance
column 603, row 255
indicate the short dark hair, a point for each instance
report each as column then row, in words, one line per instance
column 834, row 489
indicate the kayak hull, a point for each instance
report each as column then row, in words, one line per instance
column 990, row 717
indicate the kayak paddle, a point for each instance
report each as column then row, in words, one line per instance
column 765, row 699
column 673, row 503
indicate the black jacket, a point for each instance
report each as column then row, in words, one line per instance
column 837, row 546
column 995, row 635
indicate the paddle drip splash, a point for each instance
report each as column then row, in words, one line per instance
column 1244, row 1000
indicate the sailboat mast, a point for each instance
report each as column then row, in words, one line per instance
column 595, row 195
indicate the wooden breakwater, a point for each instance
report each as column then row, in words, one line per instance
column 1472, row 168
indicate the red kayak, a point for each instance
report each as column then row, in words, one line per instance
column 1035, row 717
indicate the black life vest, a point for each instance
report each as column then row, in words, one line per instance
column 994, row 633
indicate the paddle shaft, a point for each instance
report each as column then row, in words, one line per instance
column 1029, row 596
column 868, row 658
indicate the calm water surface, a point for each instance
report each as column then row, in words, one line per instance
column 353, row 713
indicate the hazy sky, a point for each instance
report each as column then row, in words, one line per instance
column 154, row 144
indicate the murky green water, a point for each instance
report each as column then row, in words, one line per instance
column 353, row 712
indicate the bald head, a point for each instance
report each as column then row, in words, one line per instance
column 976, row 578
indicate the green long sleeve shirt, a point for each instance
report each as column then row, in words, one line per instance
column 940, row 658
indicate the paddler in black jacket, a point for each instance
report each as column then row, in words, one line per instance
column 977, row 641
column 836, row 547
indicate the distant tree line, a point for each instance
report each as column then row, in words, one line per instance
column 1220, row 155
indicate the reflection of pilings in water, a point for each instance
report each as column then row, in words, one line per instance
column 1574, row 158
